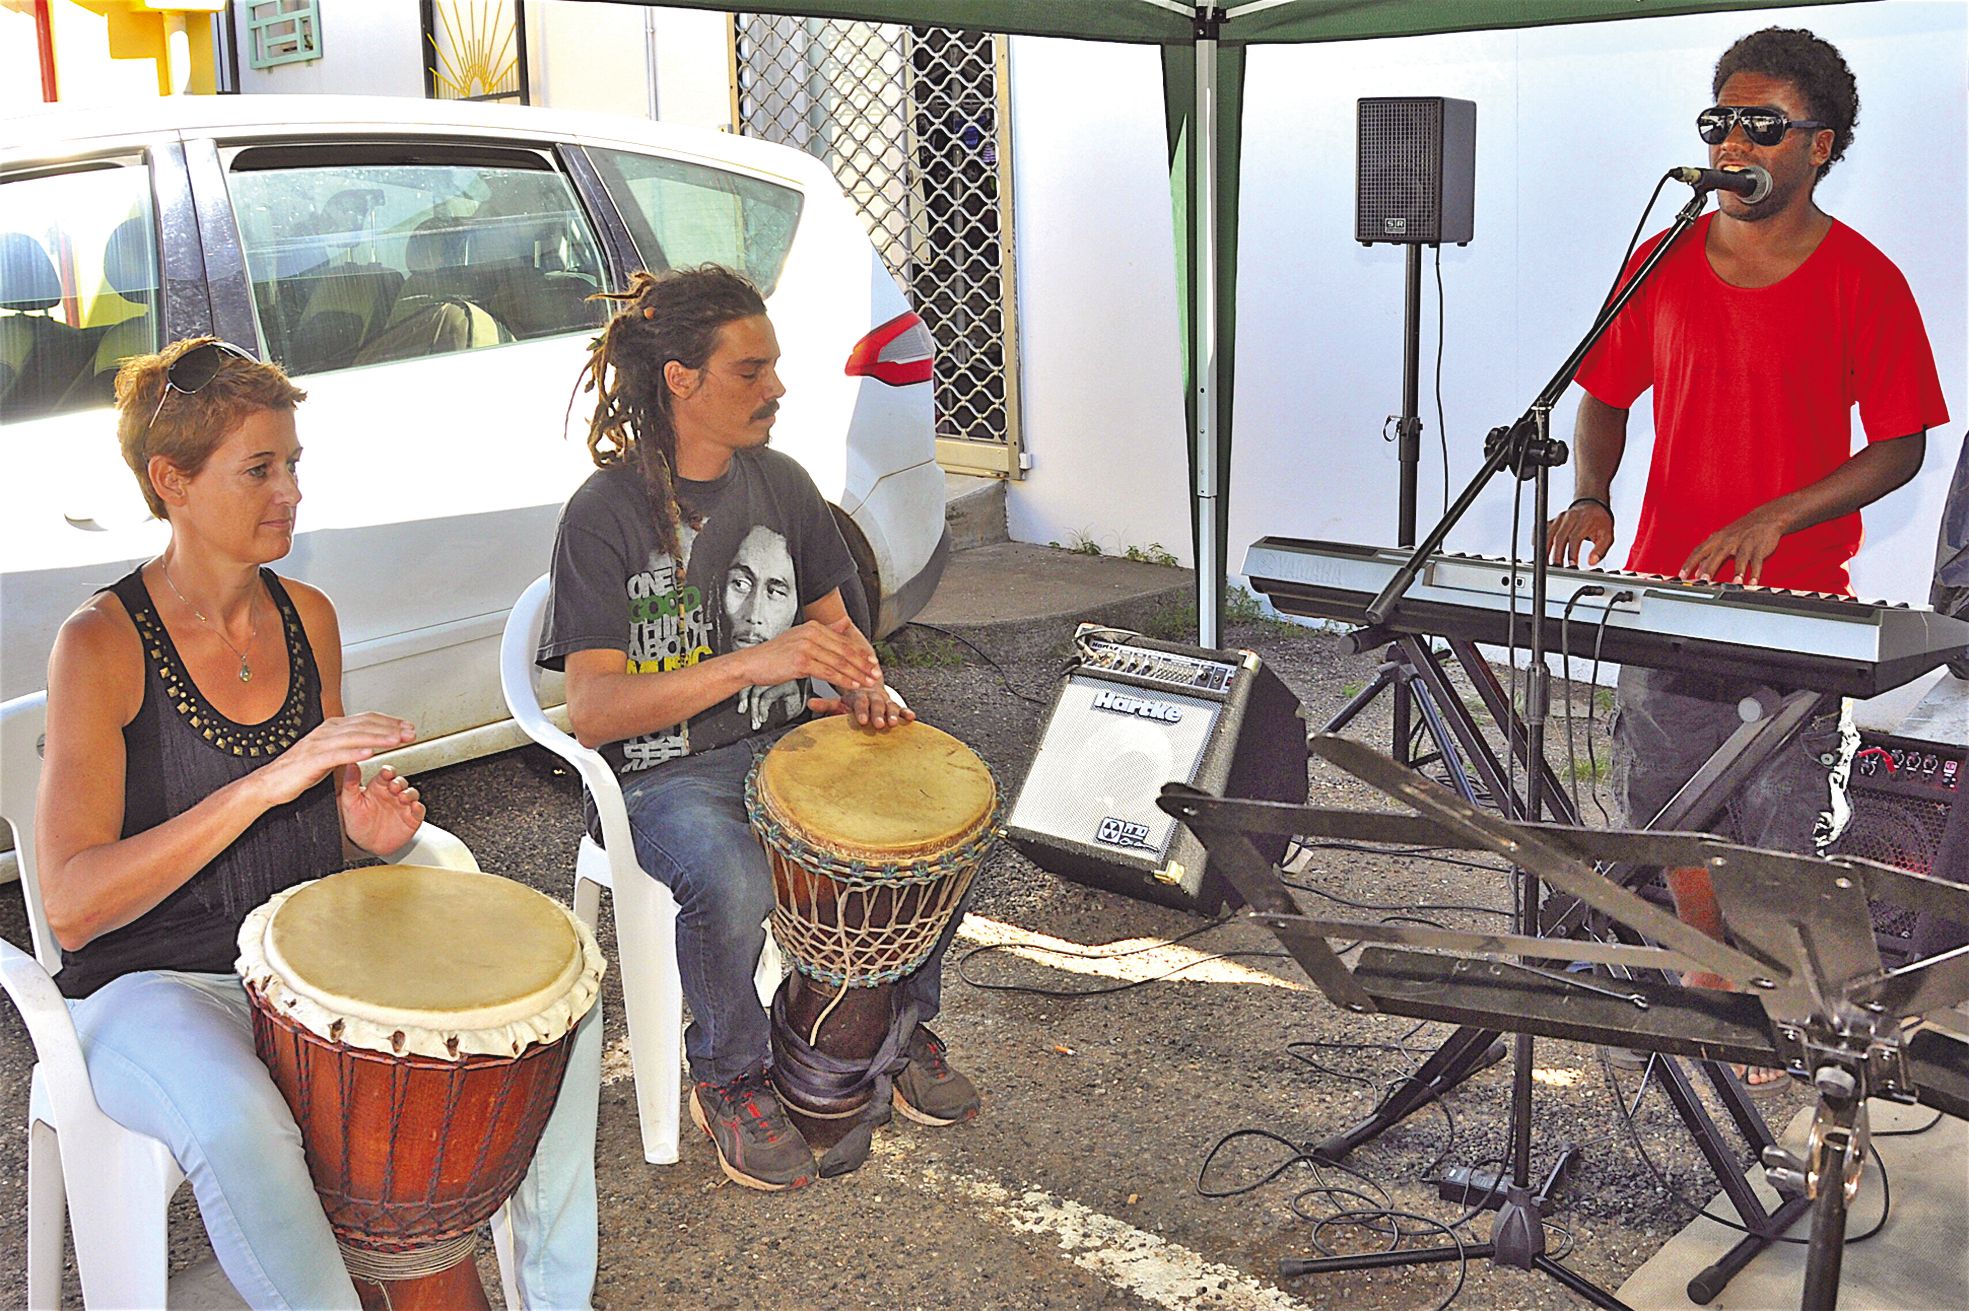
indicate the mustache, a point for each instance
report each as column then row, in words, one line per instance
column 767, row 411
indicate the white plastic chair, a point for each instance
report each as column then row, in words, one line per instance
column 114, row 1183
column 645, row 912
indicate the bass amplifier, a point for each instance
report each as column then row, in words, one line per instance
column 1903, row 792
column 1132, row 714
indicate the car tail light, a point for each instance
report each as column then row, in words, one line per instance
column 897, row 353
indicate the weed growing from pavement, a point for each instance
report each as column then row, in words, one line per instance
column 908, row 649
column 1153, row 553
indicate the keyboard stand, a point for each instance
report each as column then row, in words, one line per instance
column 1414, row 672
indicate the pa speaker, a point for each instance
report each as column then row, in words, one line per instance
column 1415, row 170
column 1133, row 714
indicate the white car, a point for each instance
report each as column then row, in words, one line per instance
column 423, row 269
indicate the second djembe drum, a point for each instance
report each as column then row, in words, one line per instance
column 418, row 1022
column 874, row 836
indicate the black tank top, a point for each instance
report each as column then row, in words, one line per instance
column 178, row 751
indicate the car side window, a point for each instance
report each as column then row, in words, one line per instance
column 78, row 286
column 680, row 214
column 363, row 255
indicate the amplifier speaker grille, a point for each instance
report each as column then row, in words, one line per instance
column 1087, row 807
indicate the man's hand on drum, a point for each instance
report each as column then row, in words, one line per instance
column 379, row 816
column 875, row 707
column 835, row 651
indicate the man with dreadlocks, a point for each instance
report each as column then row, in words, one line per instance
column 1758, row 334
column 679, row 572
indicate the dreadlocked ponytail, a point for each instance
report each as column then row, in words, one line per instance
column 674, row 315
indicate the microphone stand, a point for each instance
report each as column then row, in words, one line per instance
column 1528, row 448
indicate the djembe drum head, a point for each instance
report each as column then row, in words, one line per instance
column 415, row 1020
column 872, row 830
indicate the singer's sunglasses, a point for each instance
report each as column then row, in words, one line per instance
column 194, row 369
column 1763, row 124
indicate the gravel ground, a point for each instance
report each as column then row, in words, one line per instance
column 1082, row 1174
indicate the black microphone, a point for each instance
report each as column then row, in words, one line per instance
column 1750, row 181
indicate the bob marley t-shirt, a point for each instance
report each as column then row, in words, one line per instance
column 759, row 545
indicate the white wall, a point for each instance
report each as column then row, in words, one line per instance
column 1573, row 126
column 588, row 56
column 1101, row 368
column 369, row 48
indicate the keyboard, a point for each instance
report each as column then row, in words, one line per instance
column 1788, row 639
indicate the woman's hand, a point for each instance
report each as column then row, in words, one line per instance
column 380, row 816
column 336, row 742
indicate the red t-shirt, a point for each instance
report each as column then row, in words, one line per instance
column 1754, row 390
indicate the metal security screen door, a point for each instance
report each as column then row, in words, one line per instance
column 913, row 122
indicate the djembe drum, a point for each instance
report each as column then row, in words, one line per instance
column 418, row 1022
column 874, row 836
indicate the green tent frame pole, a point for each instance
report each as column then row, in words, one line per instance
column 1203, row 345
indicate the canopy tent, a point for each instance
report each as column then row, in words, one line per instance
column 1203, row 63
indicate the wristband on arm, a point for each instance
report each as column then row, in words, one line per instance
column 1578, row 501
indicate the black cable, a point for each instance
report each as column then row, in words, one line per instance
column 1442, row 425
column 1565, row 663
column 997, row 668
column 1908, row 1133
column 1698, row 1208
column 1632, row 242
column 1593, row 681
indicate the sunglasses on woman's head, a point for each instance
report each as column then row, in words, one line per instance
column 1763, row 124
column 195, row 368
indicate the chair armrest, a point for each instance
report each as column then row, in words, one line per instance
column 56, row 1048
column 431, row 845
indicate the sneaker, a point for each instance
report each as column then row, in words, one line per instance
column 928, row 1091
column 756, row 1144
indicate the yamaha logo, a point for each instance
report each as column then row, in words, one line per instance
column 1120, row 703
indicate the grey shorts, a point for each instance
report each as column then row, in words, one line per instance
column 1667, row 723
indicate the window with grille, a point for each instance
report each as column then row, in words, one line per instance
column 282, row 32
column 911, row 120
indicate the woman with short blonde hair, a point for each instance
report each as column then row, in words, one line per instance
column 198, row 761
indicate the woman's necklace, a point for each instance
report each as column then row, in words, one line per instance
column 245, row 669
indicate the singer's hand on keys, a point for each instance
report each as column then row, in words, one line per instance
column 1748, row 541
column 833, row 651
column 1576, row 526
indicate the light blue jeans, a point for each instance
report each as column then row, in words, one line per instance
column 170, row 1054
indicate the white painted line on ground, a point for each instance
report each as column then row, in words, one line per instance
column 1152, row 963
column 1133, row 1260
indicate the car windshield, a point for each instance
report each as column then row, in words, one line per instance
column 681, row 214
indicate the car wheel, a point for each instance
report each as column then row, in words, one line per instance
column 870, row 618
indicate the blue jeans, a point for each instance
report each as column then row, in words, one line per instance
column 692, row 836
column 170, row 1054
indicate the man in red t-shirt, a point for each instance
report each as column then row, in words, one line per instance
column 1758, row 333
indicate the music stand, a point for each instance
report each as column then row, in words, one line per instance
column 1815, row 999
column 1527, row 448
